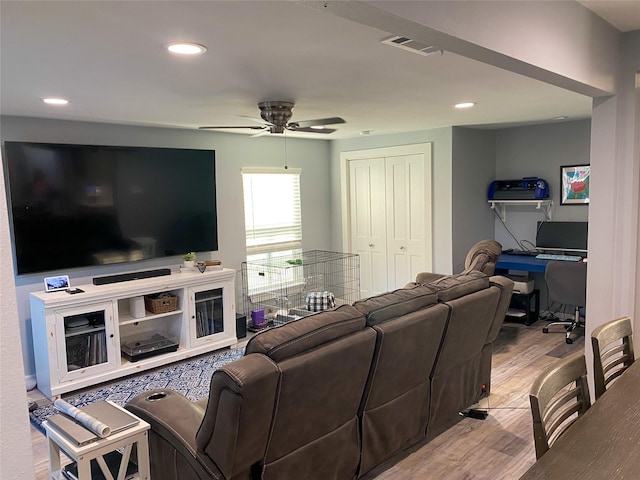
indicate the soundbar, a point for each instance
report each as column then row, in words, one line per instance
column 125, row 277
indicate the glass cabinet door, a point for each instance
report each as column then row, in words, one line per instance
column 208, row 308
column 85, row 339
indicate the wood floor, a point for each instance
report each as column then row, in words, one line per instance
column 498, row 448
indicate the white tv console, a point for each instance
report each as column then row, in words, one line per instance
column 78, row 338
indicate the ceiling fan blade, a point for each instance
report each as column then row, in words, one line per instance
column 318, row 122
column 256, row 119
column 262, row 127
column 262, row 133
column 312, row 130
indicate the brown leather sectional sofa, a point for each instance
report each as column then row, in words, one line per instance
column 332, row 395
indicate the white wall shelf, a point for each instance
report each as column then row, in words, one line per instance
column 501, row 206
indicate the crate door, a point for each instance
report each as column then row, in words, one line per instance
column 86, row 343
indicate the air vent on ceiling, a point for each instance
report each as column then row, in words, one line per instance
column 411, row 45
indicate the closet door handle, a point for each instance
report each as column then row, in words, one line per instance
column 371, row 245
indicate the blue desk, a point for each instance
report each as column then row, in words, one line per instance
column 526, row 263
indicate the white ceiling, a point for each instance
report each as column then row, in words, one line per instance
column 107, row 58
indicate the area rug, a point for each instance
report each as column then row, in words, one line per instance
column 190, row 378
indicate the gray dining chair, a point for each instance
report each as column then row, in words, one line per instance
column 558, row 397
column 612, row 345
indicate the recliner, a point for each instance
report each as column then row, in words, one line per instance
column 481, row 257
column 333, row 394
column 287, row 409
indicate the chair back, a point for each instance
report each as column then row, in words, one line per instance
column 409, row 324
column 558, row 397
column 567, row 282
column 483, row 257
column 612, row 345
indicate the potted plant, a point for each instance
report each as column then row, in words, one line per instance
column 189, row 259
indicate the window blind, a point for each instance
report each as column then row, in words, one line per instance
column 272, row 210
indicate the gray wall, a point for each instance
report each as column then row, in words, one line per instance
column 233, row 151
column 539, row 151
column 464, row 163
column 474, row 160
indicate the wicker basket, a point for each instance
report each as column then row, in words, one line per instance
column 161, row 303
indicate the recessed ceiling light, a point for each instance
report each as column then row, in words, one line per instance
column 464, row 105
column 560, row 117
column 186, row 48
column 317, row 127
column 55, row 101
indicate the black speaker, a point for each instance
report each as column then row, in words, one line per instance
column 125, row 277
column 241, row 325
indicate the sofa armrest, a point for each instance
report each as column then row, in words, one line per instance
column 175, row 419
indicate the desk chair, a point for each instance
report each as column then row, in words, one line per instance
column 558, row 397
column 567, row 285
column 612, row 345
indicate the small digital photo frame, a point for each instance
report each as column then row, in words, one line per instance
column 53, row 284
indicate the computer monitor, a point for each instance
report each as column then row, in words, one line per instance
column 562, row 236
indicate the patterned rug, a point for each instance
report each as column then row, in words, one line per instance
column 190, row 378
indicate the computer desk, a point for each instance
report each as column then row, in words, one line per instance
column 526, row 302
column 524, row 263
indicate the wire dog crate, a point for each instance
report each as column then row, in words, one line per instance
column 282, row 285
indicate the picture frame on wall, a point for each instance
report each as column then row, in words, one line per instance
column 574, row 184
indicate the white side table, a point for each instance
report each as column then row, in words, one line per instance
column 83, row 455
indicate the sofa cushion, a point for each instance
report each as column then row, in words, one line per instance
column 309, row 332
column 456, row 286
column 394, row 304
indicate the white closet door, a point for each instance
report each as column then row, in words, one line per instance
column 368, row 223
column 405, row 207
column 387, row 214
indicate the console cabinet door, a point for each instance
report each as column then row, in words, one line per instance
column 86, row 342
column 210, row 310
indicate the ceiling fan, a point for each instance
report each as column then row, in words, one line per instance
column 277, row 116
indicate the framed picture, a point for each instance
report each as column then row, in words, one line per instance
column 574, row 184
column 53, row 284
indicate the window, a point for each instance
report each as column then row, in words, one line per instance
column 272, row 211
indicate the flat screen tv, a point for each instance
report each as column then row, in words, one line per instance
column 87, row 205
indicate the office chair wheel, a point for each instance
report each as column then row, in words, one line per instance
column 545, row 330
column 569, row 341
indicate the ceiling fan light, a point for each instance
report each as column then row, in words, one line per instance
column 186, row 48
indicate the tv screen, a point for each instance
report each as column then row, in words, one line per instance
column 86, row 205
column 562, row 236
